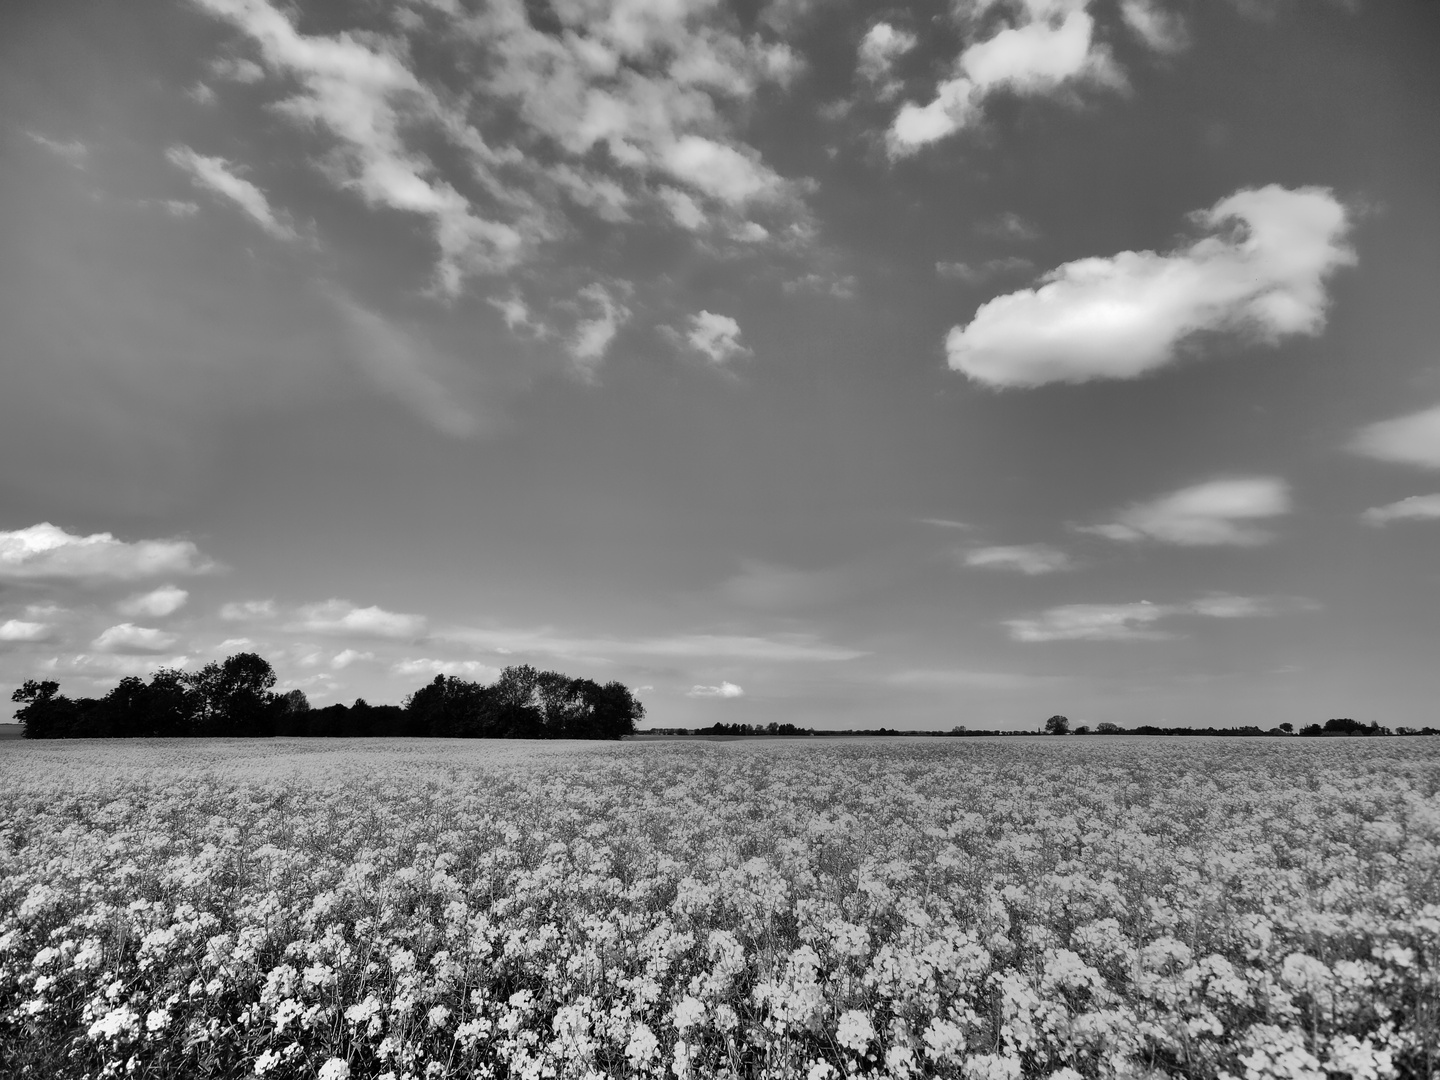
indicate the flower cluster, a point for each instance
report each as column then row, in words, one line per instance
column 986, row 910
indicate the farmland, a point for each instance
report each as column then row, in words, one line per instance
column 980, row 909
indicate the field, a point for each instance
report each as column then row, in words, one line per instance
column 907, row 908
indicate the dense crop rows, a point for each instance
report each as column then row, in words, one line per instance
column 977, row 909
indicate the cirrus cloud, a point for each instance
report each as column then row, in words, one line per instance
column 1029, row 559
column 1136, row 621
column 1414, row 508
column 1215, row 513
column 218, row 175
column 1406, row 440
column 1261, row 272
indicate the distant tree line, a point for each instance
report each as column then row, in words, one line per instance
column 235, row 698
column 1059, row 725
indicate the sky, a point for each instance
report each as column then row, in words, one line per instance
column 809, row 361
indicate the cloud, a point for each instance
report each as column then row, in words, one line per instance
column 1136, row 621
column 724, row 690
column 346, row 657
column 770, row 587
column 1215, row 513
column 360, row 93
column 611, row 111
column 1030, row 559
column 107, row 665
column 408, row 368
column 47, row 551
column 945, row 523
column 218, row 175
column 166, row 600
column 593, row 334
column 1261, row 273
column 881, row 46
column 129, row 638
column 73, row 151
column 1414, row 508
column 427, row 666
column 1008, row 226
column 1164, row 31
column 1036, row 55
column 244, row 610
column 780, row 648
column 961, row 679
column 23, row 630
column 973, row 274
column 1406, row 440
column 716, row 337
column 343, row 617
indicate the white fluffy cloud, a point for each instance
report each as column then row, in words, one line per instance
column 1215, row 513
column 1406, row 440
column 1136, row 621
column 343, row 617
column 1030, row 559
column 724, row 690
column 345, row 657
column 1049, row 46
column 715, row 337
column 218, row 175
column 24, row 630
column 881, row 46
column 579, row 111
column 594, row 333
column 166, row 600
column 47, row 551
column 129, row 638
column 1261, row 272
column 1415, row 508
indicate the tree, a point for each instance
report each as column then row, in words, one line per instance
column 235, row 696
column 1105, row 727
column 45, row 711
column 1057, row 725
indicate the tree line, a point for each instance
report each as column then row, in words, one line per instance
column 236, row 698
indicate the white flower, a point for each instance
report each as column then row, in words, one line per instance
column 854, row 1031
column 438, row 1015
column 688, row 1013
column 334, row 1069
column 157, row 1020
column 642, row 1047
column 266, row 1061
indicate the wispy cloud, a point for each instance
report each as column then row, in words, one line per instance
column 1261, row 272
column 342, row 617
column 1215, row 513
column 1407, row 440
column 246, row 610
column 979, row 273
column 72, row 151
column 594, row 332
column 1030, row 559
column 963, row 679
column 779, row 648
column 1136, row 621
column 47, row 551
column 405, row 365
column 724, row 690
column 218, row 175
column 129, row 638
column 166, row 600
column 427, row 666
column 882, row 45
column 1414, row 508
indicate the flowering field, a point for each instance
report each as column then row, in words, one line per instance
column 809, row 908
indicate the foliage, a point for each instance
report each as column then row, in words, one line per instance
column 1057, row 725
column 236, row 697
column 800, row 909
